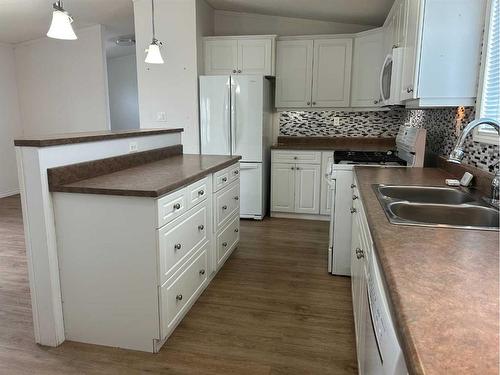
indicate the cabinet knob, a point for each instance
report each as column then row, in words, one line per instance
column 293, row 168
column 202, row 272
column 236, row 198
column 236, row 172
column 177, row 246
column 308, row 103
column 201, row 227
column 239, row 70
column 224, row 207
column 409, row 89
column 178, row 297
column 224, row 179
column 353, row 210
column 354, row 197
column 375, row 102
column 224, row 244
column 234, row 70
column 177, row 206
column 353, row 186
column 297, row 168
column 314, row 103
column 201, row 192
column 360, row 253
column 236, row 230
column 395, row 46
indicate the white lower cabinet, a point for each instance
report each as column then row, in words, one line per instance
column 297, row 183
column 131, row 267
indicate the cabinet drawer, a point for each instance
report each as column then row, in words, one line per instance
column 226, row 203
column 228, row 239
column 225, row 176
column 179, row 292
column 171, row 206
column 178, row 239
column 197, row 192
column 293, row 156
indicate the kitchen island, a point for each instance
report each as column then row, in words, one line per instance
column 442, row 283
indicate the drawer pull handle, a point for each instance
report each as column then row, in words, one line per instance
column 353, row 186
column 202, row 272
column 177, row 246
column 177, row 206
column 224, row 179
column 236, row 230
column 236, row 198
column 295, row 158
column 201, row 192
column 224, row 244
column 353, row 210
column 224, row 207
column 354, row 197
column 178, row 297
column 239, row 70
column 236, row 172
column 201, row 227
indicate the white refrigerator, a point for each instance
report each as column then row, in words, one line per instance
column 236, row 119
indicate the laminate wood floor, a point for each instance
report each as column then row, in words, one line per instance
column 272, row 309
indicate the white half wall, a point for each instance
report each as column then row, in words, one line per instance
column 63, row 84
column 123, row 101
column 238, row 23
column 10, row 125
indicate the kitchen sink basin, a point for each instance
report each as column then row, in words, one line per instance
column 462, row 215
column 434, row 206
column 425, row 194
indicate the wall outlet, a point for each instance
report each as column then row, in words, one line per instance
column 336, row 121
column 161, row 116
column 132, row 147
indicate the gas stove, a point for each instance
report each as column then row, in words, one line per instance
column 368, row 158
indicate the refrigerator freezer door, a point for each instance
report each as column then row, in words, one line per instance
column 247, row 117
column 215, row 104
column 251, row 193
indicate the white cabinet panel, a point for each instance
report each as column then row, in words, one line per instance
column 294, row 62
column 227, row 239
column 171, row 206
column 307, row 186
column 221, row 56
column 368, row 60
column 226, row 203
column 332, row 72
column 282, row 187
column 326, row 191
column 255, row 56
column 412, row 22
column 295, row 156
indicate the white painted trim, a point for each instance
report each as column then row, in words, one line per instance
column 319, row 36
column 344, row 109
column 240, row 37
column 285, row 215
column 9, row 193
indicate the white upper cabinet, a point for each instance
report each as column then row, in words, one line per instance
column 294, row 66
column 313, row 72
column 412, row 8
column 331, row 85
column 368, row 58
column 239, row 55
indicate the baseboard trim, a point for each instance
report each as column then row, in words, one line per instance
column 286, row 215
column 9, row 193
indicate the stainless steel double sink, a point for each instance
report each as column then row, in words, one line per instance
column 434, row 206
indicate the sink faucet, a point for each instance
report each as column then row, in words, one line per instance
column 458, row 154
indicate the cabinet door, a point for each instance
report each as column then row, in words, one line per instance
column 368, row 60
column 282, row 187
column 332, row 72
column 294, row 61
column 412, row 21
column 326, row 191
column 254, row 56
column 307, row 186
column 221, row 56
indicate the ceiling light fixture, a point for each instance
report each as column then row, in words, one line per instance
column 153, row 52
column 61, row 28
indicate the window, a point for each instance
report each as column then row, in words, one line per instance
column 488, row 100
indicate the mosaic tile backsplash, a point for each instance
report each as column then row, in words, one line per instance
column 442, row 126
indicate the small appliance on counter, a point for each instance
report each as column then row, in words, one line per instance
column 410, row 152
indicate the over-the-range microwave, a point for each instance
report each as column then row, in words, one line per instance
column 390, row 78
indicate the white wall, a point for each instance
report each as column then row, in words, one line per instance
column 236, row 23
column 204, row 27
column 10, row 126
column 122, row 83
column 63, row 84
column 171, row 87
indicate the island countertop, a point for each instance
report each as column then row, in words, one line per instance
column 150, row 179
column 443, row 284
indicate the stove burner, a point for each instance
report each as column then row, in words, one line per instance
column 367, row 157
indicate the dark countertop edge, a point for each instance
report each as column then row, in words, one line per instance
column 72, row 138
column 146, row 193
column 319, row 143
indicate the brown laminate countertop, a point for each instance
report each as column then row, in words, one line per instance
column 335, row 143
column 104, row 135
column 151, row 179
column 443, row 283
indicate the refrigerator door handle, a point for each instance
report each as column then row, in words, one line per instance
column 233, row 115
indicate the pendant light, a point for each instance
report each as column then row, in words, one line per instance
column 153, row 52
column 61, row 28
